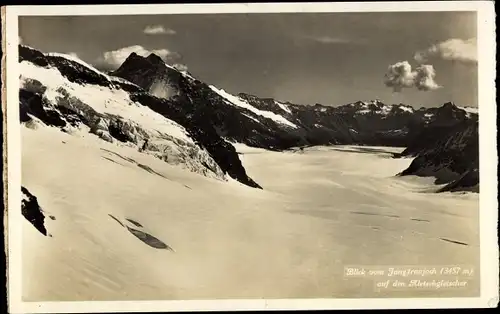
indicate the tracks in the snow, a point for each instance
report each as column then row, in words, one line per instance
column 336, row 215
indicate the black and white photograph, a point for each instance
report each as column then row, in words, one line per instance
column 185, row 153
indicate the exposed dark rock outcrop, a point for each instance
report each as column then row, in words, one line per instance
column 32, row 212
column 203, row 132
column 448, row 152
column 73, row 71
column 34, row 104
column 67, row 110
column 196, row 100
column 468, row 181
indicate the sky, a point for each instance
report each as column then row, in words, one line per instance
column 416, row 58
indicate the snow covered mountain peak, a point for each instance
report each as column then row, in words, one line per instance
column 57, row 91
column 378, row 107
column 131, row 109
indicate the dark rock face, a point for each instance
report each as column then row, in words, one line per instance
column 67, row 111
column 146, row 72
column 73, row 71
column 450, row 153
column 32, row 212
column 468, row 181
column 31, row 103
column 197, row 99
column 116, row 130
column 193, row 105
column 204, row 134
column 35, row 56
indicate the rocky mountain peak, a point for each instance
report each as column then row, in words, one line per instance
column 155, row 59
column 133, row 61
column 377, row 102
column 449, row 109
column 449, row 104
column 150, row 73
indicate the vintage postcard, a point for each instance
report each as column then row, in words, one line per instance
column 250, row 156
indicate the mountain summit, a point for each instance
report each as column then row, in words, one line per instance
column 65, row 92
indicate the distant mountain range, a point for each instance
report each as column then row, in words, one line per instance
column 186, row 121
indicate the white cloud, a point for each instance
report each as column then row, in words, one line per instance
column 452, row 49
column 401, row 75
column 113, row 59
column 424, row 78
column 331, row 40
column 334, row 40
column 158, row 30
column 73, row 54
column 20, row 40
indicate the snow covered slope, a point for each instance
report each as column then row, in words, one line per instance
column 121, row 231
column 470, row 109
column 237, row 101
column 49, row 98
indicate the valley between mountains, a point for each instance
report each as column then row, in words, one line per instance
column 147, row 183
